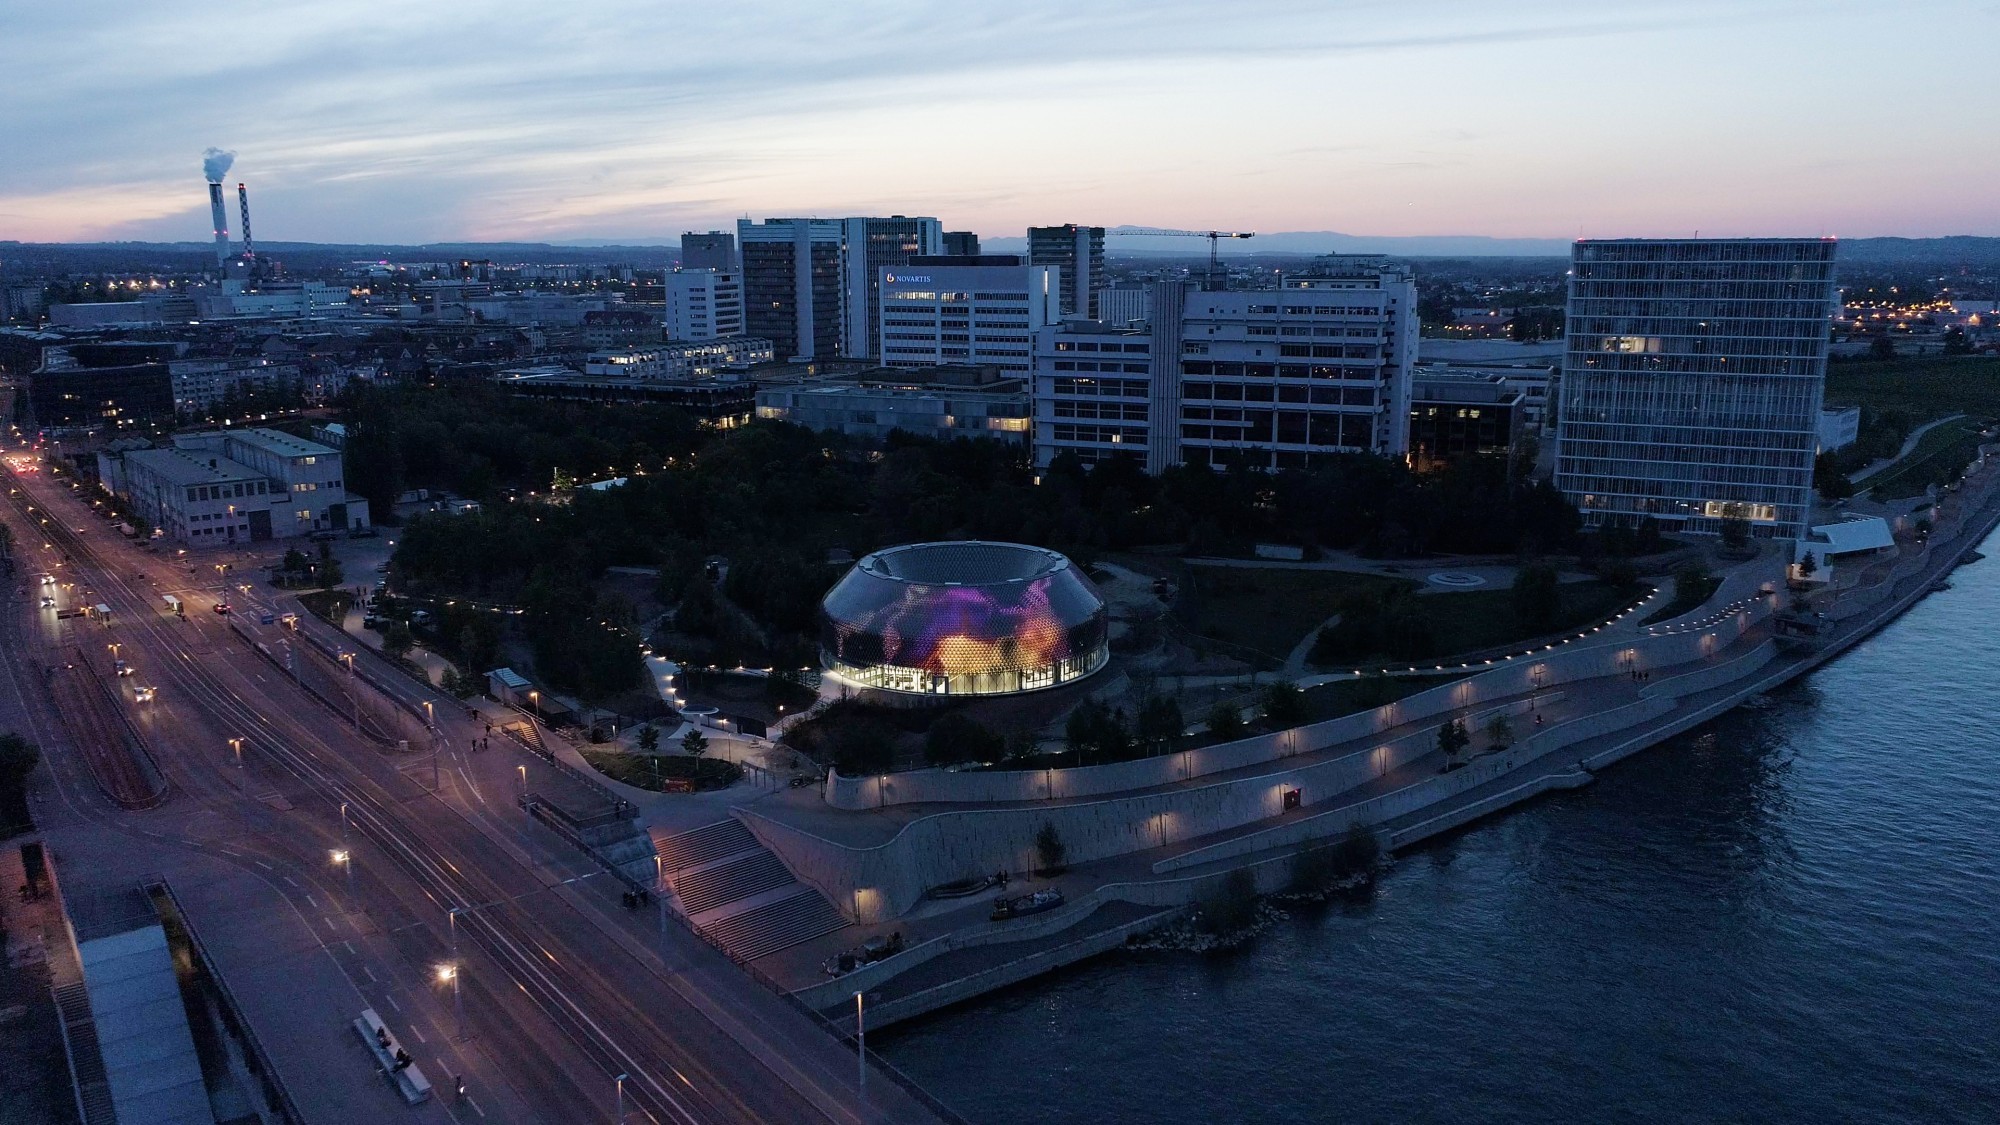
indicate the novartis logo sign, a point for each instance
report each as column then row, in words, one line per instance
column 904, row 278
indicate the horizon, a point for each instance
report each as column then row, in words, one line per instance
column 378, row 124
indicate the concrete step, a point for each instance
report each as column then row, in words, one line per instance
column 703, row 845
column 779, row 923
column 733, row 880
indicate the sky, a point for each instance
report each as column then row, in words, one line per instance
column 409, row 123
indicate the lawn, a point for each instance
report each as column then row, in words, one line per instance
column 332, row 605
column 652, row 771
column 1481, row 620
column 1924, row 388
column 1365, row 693
column 1937, row 459
column 1260, row 614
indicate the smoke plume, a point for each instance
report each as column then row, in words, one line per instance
column 215, row 164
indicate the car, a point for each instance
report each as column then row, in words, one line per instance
column 143, row 695
column 381, row 568
column 122, row 668
column 48, row 579
column 48, row 602
column 222, row 607
column 324, row 536
column 370, row 621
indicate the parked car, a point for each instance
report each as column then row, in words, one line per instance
column 222, row 607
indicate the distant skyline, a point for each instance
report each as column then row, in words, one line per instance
column 632, row 122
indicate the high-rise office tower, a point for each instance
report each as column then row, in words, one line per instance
column 1079, row 251
column 1692, row 380
column 962, row 242
column 704, row 304
column 812, row 285
column 708, row 250
column 1274, row 378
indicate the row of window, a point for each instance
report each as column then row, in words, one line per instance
column 1117, row 411
column 1096, row 365
column 1106, row 388
column 1253, row 392
column 1114, row 435
column 1230, row 370
column 1312, row 310
column 1088, row 346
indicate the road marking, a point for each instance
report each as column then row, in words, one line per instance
column 292, row 881
column 392, row 1003
column 370, row 973
column 349, row 946
column 329, row 922
column 311, row 899
column 419, row 1033
column 474, row 1105
column 265, row 866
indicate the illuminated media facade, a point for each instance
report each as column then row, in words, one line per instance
column 963, row 618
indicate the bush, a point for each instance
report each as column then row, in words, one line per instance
column 1536, row 599
column 1284, row 705
column 1233, row 906
column 1225, row 721
column 1050, row 851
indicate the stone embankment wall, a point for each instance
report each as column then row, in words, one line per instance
column 880, row 882
column 1503, row 680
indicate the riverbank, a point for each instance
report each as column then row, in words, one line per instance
column 984, row 959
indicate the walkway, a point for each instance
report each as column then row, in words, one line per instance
column 1909, row 446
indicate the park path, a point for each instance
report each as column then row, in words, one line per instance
column 1909, row 446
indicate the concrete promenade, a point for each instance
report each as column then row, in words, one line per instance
column 956, row 953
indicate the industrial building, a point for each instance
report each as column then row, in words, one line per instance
column 1268, row 377
column 1458, row 416
column 962, row 618
column 224, row 487
column 1692, row 381
column 709, row 250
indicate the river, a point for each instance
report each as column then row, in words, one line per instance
column 1788, row 915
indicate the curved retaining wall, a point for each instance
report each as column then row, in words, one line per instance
column 883, row 881
column 1502, row 681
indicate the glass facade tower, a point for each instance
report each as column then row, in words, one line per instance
column 1692, row 380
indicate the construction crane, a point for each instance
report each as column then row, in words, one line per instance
column 1214, row 238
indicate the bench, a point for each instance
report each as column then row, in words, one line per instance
column 409, row 1081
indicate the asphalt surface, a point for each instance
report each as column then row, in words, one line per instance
column 560, row 989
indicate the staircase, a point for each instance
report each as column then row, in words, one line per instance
column 733, row 889
column 79, row 1029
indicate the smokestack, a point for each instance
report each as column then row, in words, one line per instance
column 221, row 224
column 214, row 165
column 243, row 198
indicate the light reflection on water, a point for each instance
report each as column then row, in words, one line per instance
column 1786, row 916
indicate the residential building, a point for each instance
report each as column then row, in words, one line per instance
column 810, row 285
column 1275, row 378
column 1079, row 252
column 704, row 304
column 961, row 242
column 966, row 309
column 710, row 250
column 624, row 363
column 1692, row 380
column 621, row 327
column 202, row 384
column 939, row 402
column 1455, row 416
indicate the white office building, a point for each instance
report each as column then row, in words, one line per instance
column 704, row 305
column 1692, row 381
column 1275, row 378
column 224, row 487
column 811, row 286
column 953, row 309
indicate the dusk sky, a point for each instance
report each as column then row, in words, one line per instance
column 401, row 122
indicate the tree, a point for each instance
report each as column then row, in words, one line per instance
column 329, row 568
column 1882, row 347
column 1500, row 731
column 1050, row 849
column 396, row 640
column 1225, row 721
column 1735, row 528
column 1160, row 723
column 1536, row 598
column 1808, row 566
column 649, row 738
column 1955, row 342
column 1828, row 479
column 694, row 744
column 958, row 737
column 1694, row 584
column 1452, row 738
column 1284, row 705
column 18, row 758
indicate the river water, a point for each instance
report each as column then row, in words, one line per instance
column 1789, row 915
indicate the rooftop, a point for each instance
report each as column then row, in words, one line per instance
column 180, row 467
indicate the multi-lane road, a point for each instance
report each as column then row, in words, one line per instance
column 559, row 989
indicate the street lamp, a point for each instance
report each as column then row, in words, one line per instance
column 621, row 1098
column 861, row 1044
column 345, row 859
column 236, row 744
column 535, row 701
